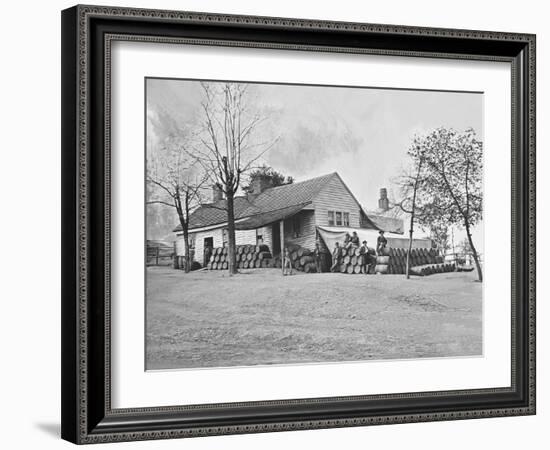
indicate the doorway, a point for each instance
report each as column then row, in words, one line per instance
column 275, row 239
column 207, row 249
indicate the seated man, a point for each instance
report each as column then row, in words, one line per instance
column 381, row 243
column 347, row 240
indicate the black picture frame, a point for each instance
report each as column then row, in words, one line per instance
column 87, row 416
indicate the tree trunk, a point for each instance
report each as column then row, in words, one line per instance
column 408, row 265
column 231, row 247
column 187, row 255
column 474, row 251
column 411, row 229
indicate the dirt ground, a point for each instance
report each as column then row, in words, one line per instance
column 208, row 319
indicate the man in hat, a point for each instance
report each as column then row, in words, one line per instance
column 381, row 243
column 365, row 258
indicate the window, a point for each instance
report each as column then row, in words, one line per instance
column 346, row 219
column 259, row 238
column 338, row 218
column 224, row 237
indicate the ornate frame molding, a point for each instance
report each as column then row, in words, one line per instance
column 80, row 424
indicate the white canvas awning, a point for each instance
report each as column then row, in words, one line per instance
column 331, row 235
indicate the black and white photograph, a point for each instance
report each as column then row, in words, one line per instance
column 299, row 224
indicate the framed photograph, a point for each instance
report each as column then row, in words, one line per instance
column 279, row 224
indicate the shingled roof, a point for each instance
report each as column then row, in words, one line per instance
column 280, row 198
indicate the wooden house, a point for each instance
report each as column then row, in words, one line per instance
column 288, row 214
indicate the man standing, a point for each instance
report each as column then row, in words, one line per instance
column 287, row 263
column 365, row 258
column 336, row 254
column 318, row 257
column 381, row 243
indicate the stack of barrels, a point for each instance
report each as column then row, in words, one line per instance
column 352, row 259
column 302, row 258
column 247, row 257
column 394, row 261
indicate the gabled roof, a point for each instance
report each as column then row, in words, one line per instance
column 269, row 217
column 271, row 203
column 215, row 213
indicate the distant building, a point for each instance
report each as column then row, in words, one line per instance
column 386, row 218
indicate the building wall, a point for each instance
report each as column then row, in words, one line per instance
column 267, row 236
column 307, row 231
column 242, row 237
column 335, row 197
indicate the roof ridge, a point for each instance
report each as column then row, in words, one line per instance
column 300, row 182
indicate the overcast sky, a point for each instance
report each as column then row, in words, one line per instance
column 362, row 133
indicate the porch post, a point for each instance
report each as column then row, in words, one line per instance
column 282, row 238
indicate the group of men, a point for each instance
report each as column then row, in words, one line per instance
column 367, row 255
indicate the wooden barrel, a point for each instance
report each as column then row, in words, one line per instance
column 357, row 251
column 354, row 260
column 258, row 264
column 306, row 259
column 382, row 260
column 249, row 256
column 350, row 269
column 357, row 269
column 381, row 268
column 343, row 268
column 347, row 259
column 264, row 255
column 294, row 256
column 240, row 249
column 245, row 264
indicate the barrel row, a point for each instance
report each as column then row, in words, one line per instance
column 246, row 257
column 429, row 269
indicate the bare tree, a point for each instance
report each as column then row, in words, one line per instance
column 229, row 146
column 176, row 180
column 453, row 175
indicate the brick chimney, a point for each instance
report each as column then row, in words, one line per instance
column 217, row 193
column 260, row 184
column 383, row 202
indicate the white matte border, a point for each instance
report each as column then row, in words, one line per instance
column 133, row 387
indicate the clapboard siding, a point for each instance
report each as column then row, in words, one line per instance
column 267, row 236
column 242, row 237
column 306, row 236
column 336, row 197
